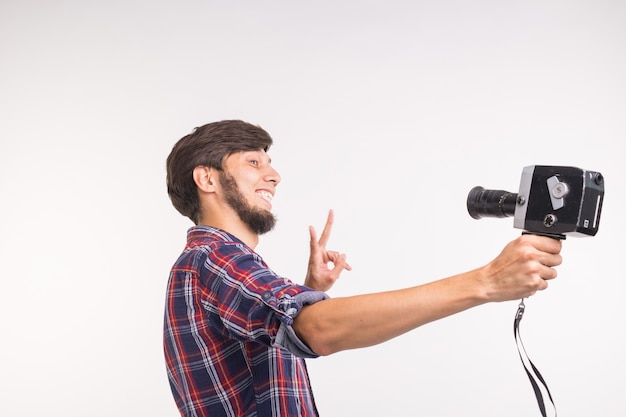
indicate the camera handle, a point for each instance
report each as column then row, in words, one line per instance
column 535, row 375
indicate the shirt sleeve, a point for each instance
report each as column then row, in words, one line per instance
column 252, row 302
column 287, row 337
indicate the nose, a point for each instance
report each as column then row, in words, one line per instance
column 272, row 176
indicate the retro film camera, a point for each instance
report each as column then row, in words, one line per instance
column 553, row 201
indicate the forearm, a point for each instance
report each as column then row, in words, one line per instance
column 353, row 322
column 347, row 323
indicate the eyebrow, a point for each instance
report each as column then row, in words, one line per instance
column 260, row 150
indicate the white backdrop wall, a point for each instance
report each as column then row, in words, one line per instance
column 388, row 112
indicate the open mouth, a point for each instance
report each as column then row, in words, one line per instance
column 265, row 195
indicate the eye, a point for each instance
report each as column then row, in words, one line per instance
column 254, row 162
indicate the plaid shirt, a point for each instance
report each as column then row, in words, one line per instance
column 229, row 346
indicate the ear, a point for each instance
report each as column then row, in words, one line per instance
column 205, row 178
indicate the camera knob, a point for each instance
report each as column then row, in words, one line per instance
column 550, row 220
column 557, row 190
column 560, row 190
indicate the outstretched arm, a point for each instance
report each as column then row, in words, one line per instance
column 319, row 275
column 336, row 324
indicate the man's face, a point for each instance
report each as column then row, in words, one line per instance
column 248, row 184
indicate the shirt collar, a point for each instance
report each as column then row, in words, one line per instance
column 200, row 234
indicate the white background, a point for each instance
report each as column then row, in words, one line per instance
column 388, row 112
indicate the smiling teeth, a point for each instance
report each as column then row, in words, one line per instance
column 265, row 195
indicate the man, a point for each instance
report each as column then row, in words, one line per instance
column 236, row 333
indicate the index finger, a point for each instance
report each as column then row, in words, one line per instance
column 547, row 244
column 326, row 232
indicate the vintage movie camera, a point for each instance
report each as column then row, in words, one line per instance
column 555, row 201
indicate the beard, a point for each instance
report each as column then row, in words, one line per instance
column 258, row 220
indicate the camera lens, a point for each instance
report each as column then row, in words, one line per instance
column 490, row 203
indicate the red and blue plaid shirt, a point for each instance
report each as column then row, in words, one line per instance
column 229, row 346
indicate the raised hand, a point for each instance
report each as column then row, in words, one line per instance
column 320, row 275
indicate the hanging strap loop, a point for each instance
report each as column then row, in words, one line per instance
column 534, row 376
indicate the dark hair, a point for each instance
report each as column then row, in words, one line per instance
column 207, row 145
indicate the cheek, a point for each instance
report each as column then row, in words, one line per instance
column 247, row 181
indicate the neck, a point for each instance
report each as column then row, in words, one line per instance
column 235, row 227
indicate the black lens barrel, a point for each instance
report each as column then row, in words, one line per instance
column 490, row 203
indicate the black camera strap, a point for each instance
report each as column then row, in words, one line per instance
column 531, row 370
